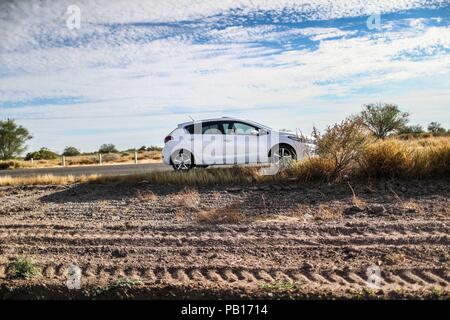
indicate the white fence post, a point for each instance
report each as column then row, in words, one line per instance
column 135, row 157
column 32, row 161
column 100, row 158
column 63, row 161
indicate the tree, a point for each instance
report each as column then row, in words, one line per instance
column 108, row 148
column 42, row 154
column 383, row 118
column 415, row 129
column 435, row 127
column 12, row 139
column 71, row 151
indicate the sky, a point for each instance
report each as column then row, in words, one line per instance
column 134, row 69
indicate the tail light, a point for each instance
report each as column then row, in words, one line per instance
column 167, row 139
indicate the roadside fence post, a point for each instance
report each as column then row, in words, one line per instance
column 63, row 161
column 32, row 161
column 100, row 158
column 135, row 157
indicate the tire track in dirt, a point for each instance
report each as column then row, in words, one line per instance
column 245, row 277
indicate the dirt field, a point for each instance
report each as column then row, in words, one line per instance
column 287, row 241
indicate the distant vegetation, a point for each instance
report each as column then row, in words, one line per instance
column 42, row 154
column 71, row 152
column 108, row 148
column 12, row 139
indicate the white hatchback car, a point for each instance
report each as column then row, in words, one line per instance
column 230, row 141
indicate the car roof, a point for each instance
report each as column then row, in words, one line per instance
column 184, row 124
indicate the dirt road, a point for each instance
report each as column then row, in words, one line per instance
column 296, row 241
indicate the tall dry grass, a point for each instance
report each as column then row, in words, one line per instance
column 406, row 159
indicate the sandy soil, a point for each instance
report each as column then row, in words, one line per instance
column 287, row 241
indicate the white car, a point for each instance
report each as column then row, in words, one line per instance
column 230, row 141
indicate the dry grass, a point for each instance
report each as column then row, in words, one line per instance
column 407, row 159
column 147, row 196
column 47, row 179
column 188, row 198
column 200, row 177
column 327, row 213
column 220, row 216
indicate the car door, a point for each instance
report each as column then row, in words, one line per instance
column 242, row 138
column 212, row 143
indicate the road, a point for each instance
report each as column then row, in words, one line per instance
column 121, row 169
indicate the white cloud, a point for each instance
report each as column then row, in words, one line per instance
column 125, row 71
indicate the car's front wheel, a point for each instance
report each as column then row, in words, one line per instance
column 182, row 160
column 282, row 155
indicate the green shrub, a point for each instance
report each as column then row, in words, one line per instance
column 108, row 148
column 42, row 154
column 24, row 268
column 71, row 151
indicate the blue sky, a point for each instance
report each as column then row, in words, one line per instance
column 134, row 69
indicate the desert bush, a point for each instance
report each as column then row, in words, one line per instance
column 12, row 164
column 42, row 154
column 71, row 152
column 341, row 145
column 414, row 130
column 24, row 268
column 382, row 119
column 108, row 148
column 436, row 127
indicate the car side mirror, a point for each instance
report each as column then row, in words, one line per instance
column 254, row 132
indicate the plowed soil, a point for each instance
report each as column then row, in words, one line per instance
column 275, row 241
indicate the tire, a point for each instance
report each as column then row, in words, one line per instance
column 282, row 154
column 182, row 160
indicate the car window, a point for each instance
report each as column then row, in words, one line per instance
column 240, row 128
column 215, row 127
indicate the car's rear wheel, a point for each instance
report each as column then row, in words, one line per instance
column 282, row 155
column 182, row 160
